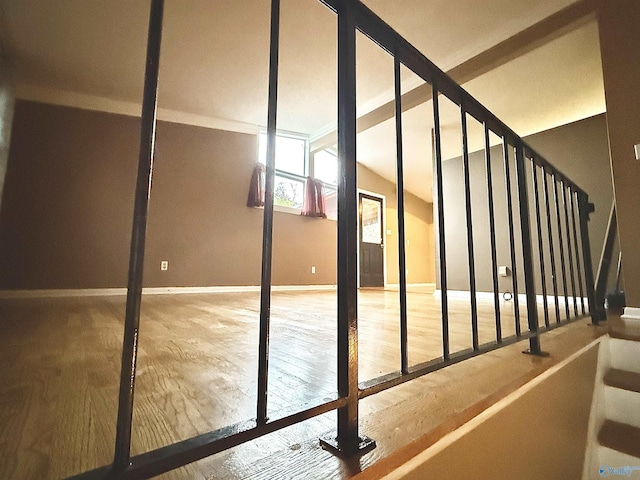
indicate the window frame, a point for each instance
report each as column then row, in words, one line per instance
column 307, row 168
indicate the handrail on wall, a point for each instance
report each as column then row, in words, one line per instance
column 604, row 266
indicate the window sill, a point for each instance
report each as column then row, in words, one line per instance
column 293, row 211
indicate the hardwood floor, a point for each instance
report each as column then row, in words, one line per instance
column 197, row 370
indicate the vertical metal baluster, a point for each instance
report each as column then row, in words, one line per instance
column 570, row 249
column 122, row 452
column 527, row 253
column 492, row 233
column 573, row 198
column 605, row 263
column 563, row 269
column 348, row 440
column 404, row 354
column 618, row 272
column 441, row 230
column 552, row 255
column 584, row 209
column 512, row 242
column 543, row 278
column 267, row 227
column 467, row 198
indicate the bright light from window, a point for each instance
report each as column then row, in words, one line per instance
column 325, row 166
column 290, row 153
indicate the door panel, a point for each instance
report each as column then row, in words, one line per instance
column 371, row 241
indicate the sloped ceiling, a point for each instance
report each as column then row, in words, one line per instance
column 214, row 63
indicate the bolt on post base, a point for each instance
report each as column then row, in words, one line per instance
column 360, row 447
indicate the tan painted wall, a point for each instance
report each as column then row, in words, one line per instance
column 65, row 221
column 541, row 434
column 420, row 250
column 6, row 116
column 578, row 149
column 619, row 45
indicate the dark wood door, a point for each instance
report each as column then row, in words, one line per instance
column 371, row 241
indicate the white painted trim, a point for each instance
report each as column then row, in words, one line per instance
column 425, row 285
column 631, row 313
column 475, row 422
column 67, row 292
column 132, row 109
column 101, row 292
column 465, row 294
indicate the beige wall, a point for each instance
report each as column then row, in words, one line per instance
column 578, row 149
column 420, row 252
column 65, row 221
column 620, row 44
column 541, row 434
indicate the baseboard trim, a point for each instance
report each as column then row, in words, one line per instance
column 631, row 313
column 431, row 286
column 465, row 294
column 108, row 292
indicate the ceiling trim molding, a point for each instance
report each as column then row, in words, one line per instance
column 122, row 107
column 535, row 36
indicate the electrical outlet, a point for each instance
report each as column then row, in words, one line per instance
column 313, row 269
column 164, row 265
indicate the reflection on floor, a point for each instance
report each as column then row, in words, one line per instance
column 197, row 372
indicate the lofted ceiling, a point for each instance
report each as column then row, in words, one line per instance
column 214, row 64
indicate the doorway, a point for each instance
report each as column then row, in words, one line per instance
column 371, row 240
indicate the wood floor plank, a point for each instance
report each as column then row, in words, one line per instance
column 197, row 371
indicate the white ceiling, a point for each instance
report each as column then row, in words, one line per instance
column 214, row 63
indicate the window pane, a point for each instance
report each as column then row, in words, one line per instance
column 290, row 153
column 371, row 221
column 325, row 166
column 288, row 193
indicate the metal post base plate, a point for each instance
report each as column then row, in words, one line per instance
column 362, row 446
column 539, row 354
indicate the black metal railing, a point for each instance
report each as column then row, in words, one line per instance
column 561, row 246
column 604, row 283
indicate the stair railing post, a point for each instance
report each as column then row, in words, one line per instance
column 527, row 253
column 124, row 422
column 584, row 209
column 348, row 441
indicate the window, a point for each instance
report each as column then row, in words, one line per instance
column 291, row 166
column 325, row 165
column 325, row 168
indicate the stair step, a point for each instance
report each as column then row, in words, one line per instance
column 622, row 379
column 626, row 330
column 620, row 437
column 624, row 354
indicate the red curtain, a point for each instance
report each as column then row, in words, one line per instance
column 256, row 188
column 314, row 204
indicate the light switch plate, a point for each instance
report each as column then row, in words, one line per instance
column 636, row 148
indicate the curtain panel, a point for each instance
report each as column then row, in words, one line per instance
column 314, row 202
column 256, row 188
